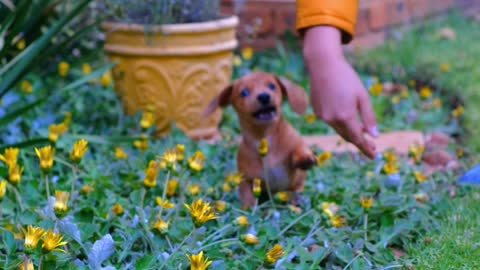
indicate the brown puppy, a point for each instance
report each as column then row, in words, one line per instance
column 257, row 99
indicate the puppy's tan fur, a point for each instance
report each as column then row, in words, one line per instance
column 288, row 157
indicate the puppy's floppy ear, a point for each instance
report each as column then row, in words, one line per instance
column 222, row 100
column 295, row 94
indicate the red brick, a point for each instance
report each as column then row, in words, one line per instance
column 418, row 8
column 284, row 19
column 377, row 16
column 397, row 12
column 370, row 40
column 362, row 22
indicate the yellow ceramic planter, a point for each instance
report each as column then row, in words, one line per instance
column 174, row 70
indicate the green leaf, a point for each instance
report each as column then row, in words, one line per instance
column 92, row 76
column 11, row 76
column 27, row 143
column 9, row 242
column 147, row 262
column 18, row 112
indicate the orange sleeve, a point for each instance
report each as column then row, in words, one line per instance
column 338, row 13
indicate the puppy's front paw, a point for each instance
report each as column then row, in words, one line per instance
column 306, row 162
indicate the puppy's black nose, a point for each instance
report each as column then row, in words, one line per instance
column 264, row 98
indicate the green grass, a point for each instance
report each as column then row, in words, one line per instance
column 455, row 245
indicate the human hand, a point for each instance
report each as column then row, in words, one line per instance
column 337, row 93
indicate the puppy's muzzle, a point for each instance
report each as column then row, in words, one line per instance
column 264, row 99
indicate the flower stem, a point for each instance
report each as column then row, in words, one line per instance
column 144, row 225
column 164, row 193
column 19, row 198
column 352, row 261
column 211, row 236
column 265, row 176
column 74, row 181
column 295, row 221
column 219, row 242
column 47, row 187
column 255, row 207
column 365, row 223
column 177, row 248
column 39, row 263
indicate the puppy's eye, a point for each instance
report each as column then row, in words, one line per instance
column 245, row 92
column 272, row 86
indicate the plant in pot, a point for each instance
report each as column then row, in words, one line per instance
column 173, row 57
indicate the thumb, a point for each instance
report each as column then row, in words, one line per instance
column 367, row 114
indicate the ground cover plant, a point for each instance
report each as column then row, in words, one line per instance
column 100, row 192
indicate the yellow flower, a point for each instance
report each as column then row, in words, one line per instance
column 106, row 79
column 63, row 68
column 367, row 202
column 196, row 162
column 87, row 189
column 330, row 209
column 323, row 158
column 86, row 69
column 172, row 187
column 10, row 156
column 421, row 197
column 459, row 152
column 412, row 83
column 310, row 118
column 437, row 103
column 32, row 236
column 338, row 221
column 120, row 154
column 26, row 87
column 141, row 144
column 201, row 212
column 234, row 179
column 161, row 226
column 29, row 266
column 420, row 177
column 117, row 209
column 21, row 44
column 198, row 262
column 45, row 155
column 376, row 89
column 390, row 157
column 390, row 168
column 170, row 158
column 444, row 67
column 221, row 206
column 257, row 187
column 237, row 61
column 194, row 190
column 396, row 100
column 247, row 53
column 226, row 187
column 3, row 189
column 295, row 209
column 56, row 130
column 458, row 112
column 416, row 151
column 180, row 152
column 425, row 92
column 151, row 175
column 165, row 204
column 282, row 196
column 52, row 242
column 61, row 200
column 15, row 174
column 242, row 221
column 250, row 239
column 274, row 254
column 79, row 149
column 148, row 119
column 404, row 94
column 263, row 147
column 68, row 119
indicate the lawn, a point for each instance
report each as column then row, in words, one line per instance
column 88, row 187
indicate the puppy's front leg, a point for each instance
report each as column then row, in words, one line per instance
column 246, row 194
column 303, row 158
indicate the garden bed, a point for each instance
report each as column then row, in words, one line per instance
column 357, row 214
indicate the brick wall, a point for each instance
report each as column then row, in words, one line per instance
column 262, row 21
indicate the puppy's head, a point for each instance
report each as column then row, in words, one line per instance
column 257, row 98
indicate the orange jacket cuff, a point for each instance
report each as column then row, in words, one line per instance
column 341, row 14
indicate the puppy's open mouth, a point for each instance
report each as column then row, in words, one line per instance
column 266, row 114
